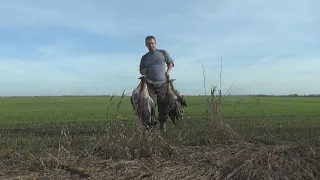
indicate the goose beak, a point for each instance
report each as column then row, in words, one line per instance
column 141, row 77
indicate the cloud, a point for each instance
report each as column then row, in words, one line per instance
column 94, row 47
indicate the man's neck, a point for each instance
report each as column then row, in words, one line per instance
column 153, row 51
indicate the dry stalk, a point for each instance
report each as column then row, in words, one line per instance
column 220, row 132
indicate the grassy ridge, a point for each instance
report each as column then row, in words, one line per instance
column 80, row 109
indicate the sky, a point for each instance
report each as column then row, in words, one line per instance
column 94, row 47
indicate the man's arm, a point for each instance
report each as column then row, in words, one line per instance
column 169, row 61
column 143, row 71
column 142, row 67
column 170, row 66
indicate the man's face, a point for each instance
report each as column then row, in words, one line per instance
column 151, row 44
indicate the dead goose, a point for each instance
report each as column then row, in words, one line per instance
column 178, row 96
column 135, row 99
column 143, row 104
column 174, row 102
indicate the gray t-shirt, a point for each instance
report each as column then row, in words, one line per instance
column 156, row 63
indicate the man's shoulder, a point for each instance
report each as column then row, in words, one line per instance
column 144, row 56
column 162, row 51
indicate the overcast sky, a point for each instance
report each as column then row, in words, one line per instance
column 94, row 46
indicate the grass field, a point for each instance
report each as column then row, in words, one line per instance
column 53, row 135
column 67, row 109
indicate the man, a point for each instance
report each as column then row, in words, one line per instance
column 156, row 66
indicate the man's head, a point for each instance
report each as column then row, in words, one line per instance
column 151, row 43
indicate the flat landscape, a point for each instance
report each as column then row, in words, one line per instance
column 98, row 137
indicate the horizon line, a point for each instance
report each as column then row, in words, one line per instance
column 106, row 95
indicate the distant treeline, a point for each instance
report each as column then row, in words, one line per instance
column 250, row 95
column 289, row 95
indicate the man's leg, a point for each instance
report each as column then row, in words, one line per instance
column 162, row 116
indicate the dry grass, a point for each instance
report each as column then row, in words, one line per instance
column 132, row 143
column 236, row 161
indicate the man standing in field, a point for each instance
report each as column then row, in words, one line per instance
column 156, row 66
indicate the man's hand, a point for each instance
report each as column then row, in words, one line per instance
column 143, row 71
column 168, row 74
column 169, row 67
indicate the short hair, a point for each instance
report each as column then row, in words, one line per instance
column 150, row 37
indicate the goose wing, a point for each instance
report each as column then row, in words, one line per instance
column 176, row 112
column 174, row 103
column 180, row 97
column 135, row 98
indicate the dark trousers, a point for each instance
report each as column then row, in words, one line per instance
column 158, row 94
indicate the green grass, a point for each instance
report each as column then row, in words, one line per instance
column 39, row 110
column 35, row 115
column 251, row 106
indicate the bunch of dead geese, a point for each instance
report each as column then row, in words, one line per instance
column 144, row 105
